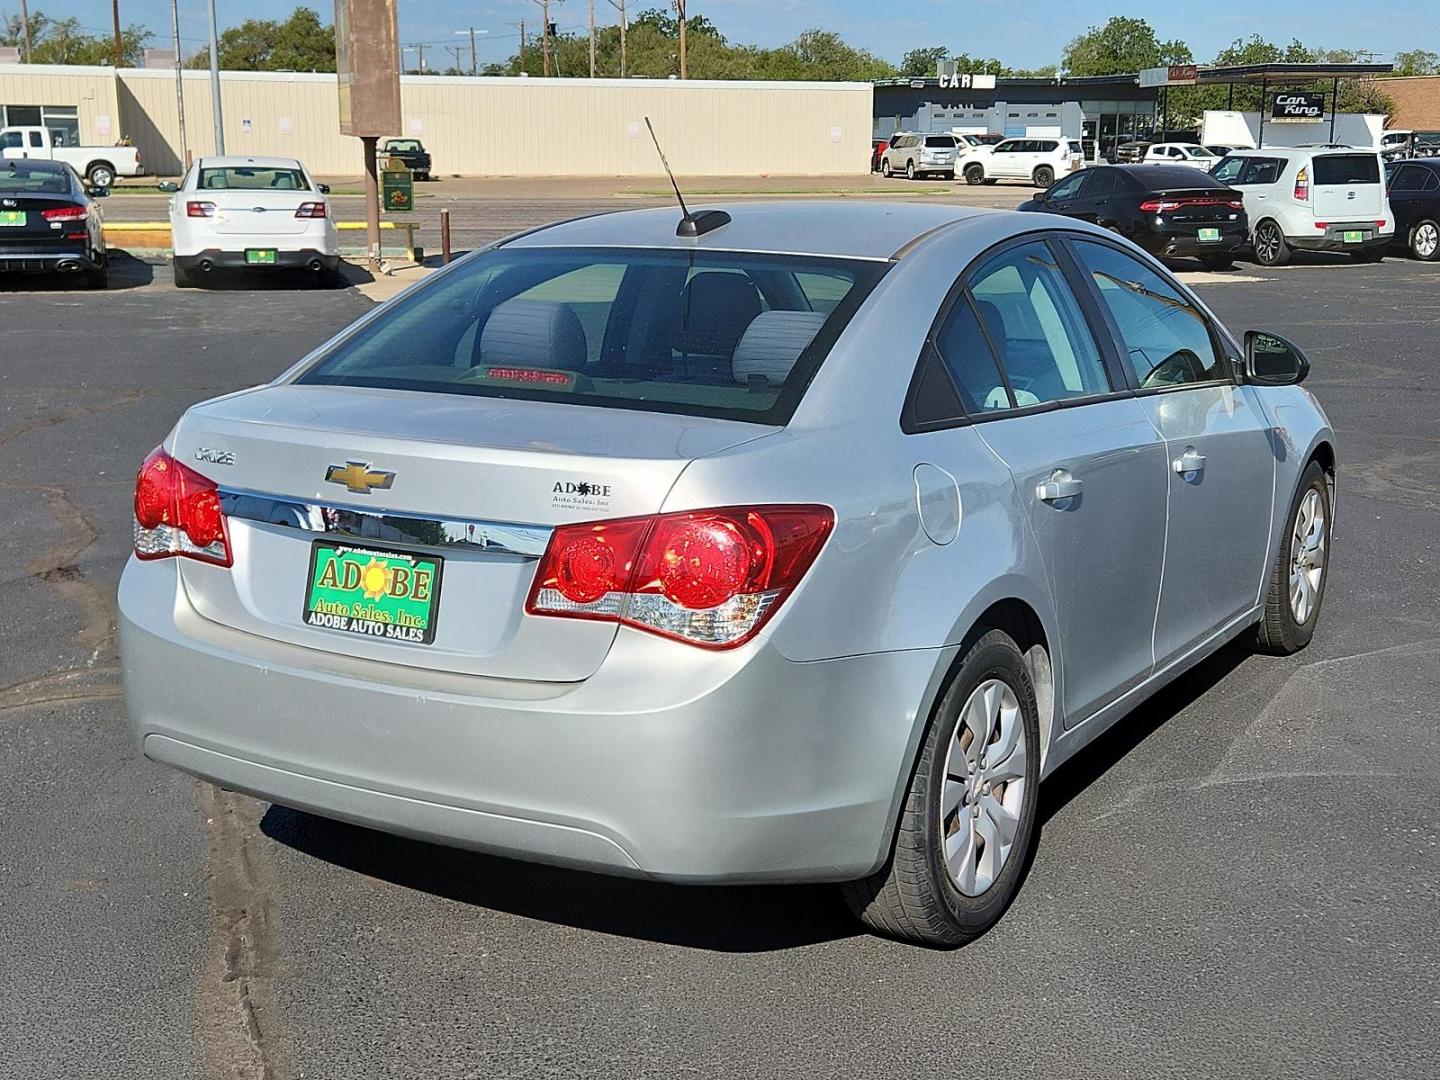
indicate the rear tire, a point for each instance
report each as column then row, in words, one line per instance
column 99, row 278
column 183, row 278
column 100, row 175
column 944, row 883
column 992, row 180
column 1301, row 570
column 1269, row 244
column 330, row 279
column 1425, row 241
column 974, row 175
column 1043, row 177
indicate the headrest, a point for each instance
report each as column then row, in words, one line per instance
column 773, row 342
column 715, row 308
column 534, row 333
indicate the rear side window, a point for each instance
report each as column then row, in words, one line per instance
column 1261, row 171
column 1347, row 169
column 1076, row 148
column 967, row 356
column 1409, row 178
column 1167, row 340
column 1046, row 146
column 1036, row 324
column 733, row 335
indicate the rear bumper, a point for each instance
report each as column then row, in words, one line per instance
column 727, row 767
column 1333, row 238
column 51, row 258
column 299, row 259
column 1186, row 242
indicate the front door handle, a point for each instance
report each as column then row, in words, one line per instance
column 1191, row 461
column 1061, row 485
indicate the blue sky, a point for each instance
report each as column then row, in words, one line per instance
column 1025, row 33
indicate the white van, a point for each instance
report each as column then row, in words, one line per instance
column 1323, row 198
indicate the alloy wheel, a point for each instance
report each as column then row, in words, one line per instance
column 1267, row 243
column 983, row 795
column 1426, row 240
column 1307, row 556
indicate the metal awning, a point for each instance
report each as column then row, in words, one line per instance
column 1209, row 75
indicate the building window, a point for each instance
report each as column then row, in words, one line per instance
column 63, row 121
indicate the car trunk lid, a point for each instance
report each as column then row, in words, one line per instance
column 1347, row 188
column 22, row 218
column 478, row 482
column 1195, row 206
column 251, row 213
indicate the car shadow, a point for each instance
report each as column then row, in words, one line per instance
column 733, row 919
column 126, row 272
column 1093, row 762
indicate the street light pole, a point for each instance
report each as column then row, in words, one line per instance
column 474, row 64
column 179, row 85
column 215, row 83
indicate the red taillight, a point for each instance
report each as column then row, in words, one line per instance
column 1380, row 224
column 177, row 512
column 707, row 577
column 1302, row 185
column 65, row 213
column 311, row 210
column 1235, row 204
column 199, row 209
column 1158, row 206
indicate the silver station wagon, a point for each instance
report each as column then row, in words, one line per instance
column 800, row 542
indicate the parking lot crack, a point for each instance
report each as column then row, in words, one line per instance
column 241, row 1034
column 58, row 567
column 73, row 412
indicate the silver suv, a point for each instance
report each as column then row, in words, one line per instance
column 918, row 154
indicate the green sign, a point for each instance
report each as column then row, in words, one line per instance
column 379, row 594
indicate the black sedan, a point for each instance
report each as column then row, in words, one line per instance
column 1415, row 201
column 1166, row 209
column 48, row 224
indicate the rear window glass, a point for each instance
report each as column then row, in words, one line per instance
column 403, row 144
column 252, row 178
column 725, row 334
column 1347, row 169
column 947, row 141
column 20, row 178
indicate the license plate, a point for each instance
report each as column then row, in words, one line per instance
column 260, row 256
column 387, row 595
column 1353, row 237
column 1209, row 235
column 12, row 217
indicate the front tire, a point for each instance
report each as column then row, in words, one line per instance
column 974, row 175
column 886, row 170
column 1301, row 570
column 1270, row 246
column 1043, row 177
column 1425, row 241
column 909, row 170
column 968, row 822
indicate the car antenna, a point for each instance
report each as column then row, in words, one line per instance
column 690, row 224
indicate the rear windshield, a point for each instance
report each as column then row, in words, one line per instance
column 1347, row 169
column 947, row 141
column 403, row 144
column 724, row 334
column 20, row 178
column 252, row 178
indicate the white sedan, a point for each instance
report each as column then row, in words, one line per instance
column 252, row 213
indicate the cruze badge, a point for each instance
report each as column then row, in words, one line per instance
column 359, row 477
column 213, row 456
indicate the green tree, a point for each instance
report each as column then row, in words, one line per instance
column 1417, row 62
column 1121, row 46
column 923, row 63
column 299, row 43
column 64, row 41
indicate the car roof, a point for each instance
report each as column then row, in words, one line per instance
column 1162, row 176
column 1298, row 151
column 36, row 165
column 830, row 228
column 233, row 161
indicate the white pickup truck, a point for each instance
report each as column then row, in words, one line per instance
column 99, row 165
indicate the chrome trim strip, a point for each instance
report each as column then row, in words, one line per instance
column 329, row 519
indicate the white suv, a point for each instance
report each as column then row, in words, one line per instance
column 1174, row 153
column 1330, row 198
column 1041, row 161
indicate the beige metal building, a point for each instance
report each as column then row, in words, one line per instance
column 471, row 126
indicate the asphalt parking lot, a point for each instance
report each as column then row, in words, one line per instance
column 1242, row 879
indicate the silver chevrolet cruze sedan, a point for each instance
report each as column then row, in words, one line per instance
column 797, row 543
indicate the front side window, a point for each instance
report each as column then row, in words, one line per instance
column 1006, row 148
column 1167, row 339
column 732, row 335
column 1229, row 169
column 1070, row 186
column 11, row 140
column 1031, row 315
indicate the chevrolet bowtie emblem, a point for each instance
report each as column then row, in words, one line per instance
column 357, row 476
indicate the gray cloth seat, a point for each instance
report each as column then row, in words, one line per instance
column 772, row 343
column 534, row 333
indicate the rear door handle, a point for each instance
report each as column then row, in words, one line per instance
column 1061, row 485
column 1191, row 461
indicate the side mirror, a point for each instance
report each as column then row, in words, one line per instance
column 1270, row 360
column 324, row 189
column 167, row 186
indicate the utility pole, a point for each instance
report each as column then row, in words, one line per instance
column 179, row 85
column 474, row 70
column 455, row 51
column 419, row 47
column 619, row 5
column 592, row 38
column 215, row 83
column 545, row 31
column 521, row 27
column 119, row 45
column 25, row 27
column 680, row 13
